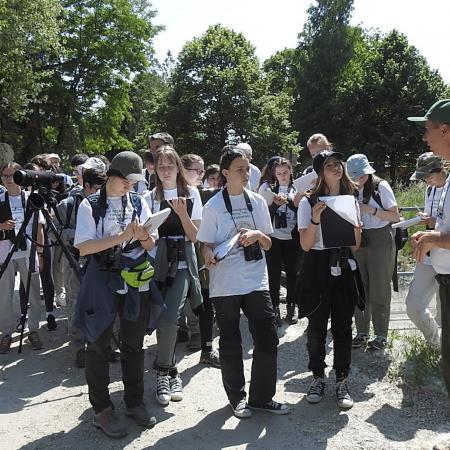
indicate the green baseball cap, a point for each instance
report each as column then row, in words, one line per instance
column 427, row 163
column 440, row 112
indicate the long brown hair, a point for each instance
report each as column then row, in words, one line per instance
column 346, row 185
column 169, row 153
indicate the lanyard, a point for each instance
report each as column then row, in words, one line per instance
column 248, row 203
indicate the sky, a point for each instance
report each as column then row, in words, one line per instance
column 271, row 26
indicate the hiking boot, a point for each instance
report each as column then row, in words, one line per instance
column 163, row 388
column 141, row 416
column 360, row 340
column 271, row 406
column 291, row 315
column 33, row 339
column 316, row 390
column 182, row 336
column 22, row 320
column 108, row 422
column 210, row 357
column 176, row 388
column 5, row 343
column 240, row 409
column 195, row 343
column 378, row 343
column 51, row 322
column 343, row 398
column 278, row 316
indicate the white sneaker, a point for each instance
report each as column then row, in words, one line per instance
column 176, row 388
column 163, row 388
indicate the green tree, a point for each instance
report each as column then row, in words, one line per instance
column 389, row 82
column 212, row 87
column 29, row 33
column 325, row 47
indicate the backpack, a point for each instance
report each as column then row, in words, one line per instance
column 401, row 234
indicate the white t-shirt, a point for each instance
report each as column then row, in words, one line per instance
column 440, row 257
column 387, row 200
column 304, row 220
column 170, row 194
column 114, row 222
column 283, row 234
column 233, row 275
column 254, row 177
column 18, row 214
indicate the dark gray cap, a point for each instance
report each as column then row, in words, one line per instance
column 127, row 165
column 162, row 136
column 426, row 163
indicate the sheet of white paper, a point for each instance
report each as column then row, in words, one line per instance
column 268, row 196
column 306, row 182
column 225, row 247
column 156, row 220
column 344, row 206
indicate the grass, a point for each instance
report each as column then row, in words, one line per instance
column 414, row 361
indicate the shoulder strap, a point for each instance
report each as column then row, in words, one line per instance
column 98, row 205
column 429, row 189
column 136, row 201
column 376, row 194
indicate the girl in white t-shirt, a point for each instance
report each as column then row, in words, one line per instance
column 327, row 286
column 376, row 256
column 285, row 246
column 424, row 286
column 239, row 281
column 176, row 269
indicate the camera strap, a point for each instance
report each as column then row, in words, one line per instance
column 248, row 203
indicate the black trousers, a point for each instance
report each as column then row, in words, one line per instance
column 257, row 307
column 444, row 293
column 131, row 358
column 206, row 321
column 340, row 307
column 283, row 253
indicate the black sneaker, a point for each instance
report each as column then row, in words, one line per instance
column 271, row 406
column 141, row 416
column 316, row 390
column 360, row 340
column 109, row 423
column 378, row 343
column 210, row 357
column 51, row 322
column 241, row 409
column 343, row 398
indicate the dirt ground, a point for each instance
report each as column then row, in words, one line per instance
column 44, row 404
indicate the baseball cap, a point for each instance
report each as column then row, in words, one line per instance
column 94, row 163
column 53, row 155
column 163, row 136
column 358, row 165
column 440, row 112
column 127, row 165
column 322, row 156
column 426, row 164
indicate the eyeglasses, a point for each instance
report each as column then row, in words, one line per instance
column 7, row 177
column 199, row 171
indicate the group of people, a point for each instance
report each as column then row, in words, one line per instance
column 136, row 279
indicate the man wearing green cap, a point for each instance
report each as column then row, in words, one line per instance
column 437, row 136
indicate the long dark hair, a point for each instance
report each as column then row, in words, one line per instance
column 282, row 162
column 346, row 185
column 369, row 187
column 169, row 153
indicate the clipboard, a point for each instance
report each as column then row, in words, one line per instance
column 223, row 249
column 156, row 220
column 305, row 182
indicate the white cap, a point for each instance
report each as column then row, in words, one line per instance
column 94, row 163
column 245, row 148
column 53, row 155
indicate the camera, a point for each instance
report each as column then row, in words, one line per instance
column 339, row 257
column 280, row 220
column 26, row 178
column 110, row 259
column 253, row 252
column 175, row 250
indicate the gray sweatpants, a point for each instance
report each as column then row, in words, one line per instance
column 8, row 320
column 166, row 333
column 376, row 263
column 72, row 286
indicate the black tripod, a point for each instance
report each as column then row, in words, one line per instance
column 35, row 203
